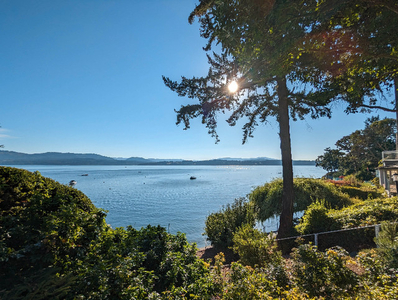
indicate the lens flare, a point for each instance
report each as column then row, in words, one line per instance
column 233, row 87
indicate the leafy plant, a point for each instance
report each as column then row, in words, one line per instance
column 267, row 198
column 387, row 241
column 55, row 244
column 220, row 226
column 323, row 274
column 316, row 219
column 388, row 236
column 255, row 247
column 361, row 193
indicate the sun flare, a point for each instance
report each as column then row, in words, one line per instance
column 233, row 87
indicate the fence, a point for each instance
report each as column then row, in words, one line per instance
column 345, row 240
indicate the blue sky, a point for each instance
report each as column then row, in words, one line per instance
column 85, row 76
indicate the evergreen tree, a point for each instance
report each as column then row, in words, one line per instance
column 258, row 40
column 353, row 53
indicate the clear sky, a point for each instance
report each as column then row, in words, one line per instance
column 85, row 77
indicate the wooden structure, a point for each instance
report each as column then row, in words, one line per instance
column 388, row 172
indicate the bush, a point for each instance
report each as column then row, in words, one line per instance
column 220, row 226
column 54, row 244
column 316, row 219
column 388, row 236
column 267, row 198
column 249, row 283
column 376, row 269
column 42, row 223
column 367, row 213
column 361, row 193
column 255, row 247
column 258, row 249
column 387, row 243
column 323, row 274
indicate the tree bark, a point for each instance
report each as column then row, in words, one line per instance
column 286, row 218
column 396, row 110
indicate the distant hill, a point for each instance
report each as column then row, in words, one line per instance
column 53, row 158
column 58, row 158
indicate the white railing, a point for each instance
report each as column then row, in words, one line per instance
column 376, row 226
column 390, row 155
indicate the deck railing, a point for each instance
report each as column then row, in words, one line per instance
column 335, row 238
column 390, row 155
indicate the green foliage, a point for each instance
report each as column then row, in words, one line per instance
column 42, row 222
column 55, row 244
column 132, row 263
column 387, row 241
column 323, row 274
column 316, row 219
column 255, row 247
column 267, row 198
column 330, row 160
column 258, row 249
column 249, row 283
column 378, row 273
column 40, row 284
column 362, row 193
column 360, row 152
column 388, row 236
column 354, row 53
column 220, row 226
column 372, row 211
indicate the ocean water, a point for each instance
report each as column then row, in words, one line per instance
column 165, row 195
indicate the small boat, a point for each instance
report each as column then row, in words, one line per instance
column 84, row 175
column 192, row 177
column 72, row 183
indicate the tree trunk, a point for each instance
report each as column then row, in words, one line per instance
column 396, row 110
column 286, row 218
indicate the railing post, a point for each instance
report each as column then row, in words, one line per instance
column 316, row 239
column 377, row 231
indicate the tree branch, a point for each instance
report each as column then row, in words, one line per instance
column 377, row 107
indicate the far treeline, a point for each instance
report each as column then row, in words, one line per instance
column 77, row 159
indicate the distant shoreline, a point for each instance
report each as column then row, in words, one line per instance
column 196, row 163
column 76, row 159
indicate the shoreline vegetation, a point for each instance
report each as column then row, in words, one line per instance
column 57, row 158
column 55, row 244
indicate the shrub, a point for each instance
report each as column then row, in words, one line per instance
column 133, row 264
column 249, row 283
column 267, row 198
column 220, row 226
column 387, row 242
column 55, row 244
column 388, row 236
column 258, row 249
column 323, row 274
column 367, row 212
column 376, row 268
column 42, row 223
column 316, row 219
column 361, row 193
column 255, row 247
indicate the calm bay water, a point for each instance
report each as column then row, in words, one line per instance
column 165, row 195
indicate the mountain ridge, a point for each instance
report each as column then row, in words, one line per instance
column 60, row 158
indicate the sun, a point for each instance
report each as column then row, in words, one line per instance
column 233, row 87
